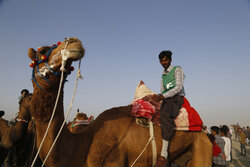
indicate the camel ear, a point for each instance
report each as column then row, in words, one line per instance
column 31, row 53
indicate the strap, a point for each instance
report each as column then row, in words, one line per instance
column 151, row 139
column 154, row 150
column 22, row 120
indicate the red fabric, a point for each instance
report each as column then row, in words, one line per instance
column 216, row 149
column 195, row 122
column 148, row 109
column 143, row 108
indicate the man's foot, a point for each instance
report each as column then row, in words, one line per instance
column 162, row 162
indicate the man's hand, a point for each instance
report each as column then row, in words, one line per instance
column 223, row 156
column 157, row 97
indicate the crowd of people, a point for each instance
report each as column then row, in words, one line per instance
column 221, row 137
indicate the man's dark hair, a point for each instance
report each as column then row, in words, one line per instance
column 25, row 90
column 224, row 130
column 226, row 127
column 165, row 53
column 216, row 129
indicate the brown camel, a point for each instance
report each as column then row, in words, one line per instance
column 80, row 122
column 10, row 135
column 4, row 126
column 18, row 140
column 113, row 139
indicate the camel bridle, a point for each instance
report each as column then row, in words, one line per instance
column 45, row 61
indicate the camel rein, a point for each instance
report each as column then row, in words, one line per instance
column 65, row 55
column 152, row 140
column 70, row 107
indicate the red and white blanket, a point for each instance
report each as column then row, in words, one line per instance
column 187, row 120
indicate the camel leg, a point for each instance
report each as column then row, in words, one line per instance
column 189, row 163
column 3, row 154
column 201, row 156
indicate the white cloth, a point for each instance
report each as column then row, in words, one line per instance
column 164, row 149
column 227, row 148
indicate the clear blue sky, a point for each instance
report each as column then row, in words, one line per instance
column 209, row 39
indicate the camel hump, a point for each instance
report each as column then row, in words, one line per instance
column 1, row 113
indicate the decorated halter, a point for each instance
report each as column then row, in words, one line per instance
column 78, row 122
column 21, row 120
column 44, row 59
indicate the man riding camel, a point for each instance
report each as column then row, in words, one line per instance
column 172, row 93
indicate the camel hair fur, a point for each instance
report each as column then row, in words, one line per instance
column 18, row 140
column 113, row 139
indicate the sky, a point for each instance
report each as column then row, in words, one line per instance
column 210, row 40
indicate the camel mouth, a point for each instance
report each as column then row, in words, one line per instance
column 75, row 54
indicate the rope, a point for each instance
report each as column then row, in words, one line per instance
column 152, row 138
column 154, row 150
column 70, row 107
column 53, row 113
column 52, row 116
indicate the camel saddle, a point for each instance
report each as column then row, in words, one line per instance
column 145, row 109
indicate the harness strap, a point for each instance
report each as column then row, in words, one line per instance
column 77, row 122
column 51, row 70
column 47, row 65
column 151, row 139
column 37, row 70
column 34, row 78
column 154, row 150
column 73, row 123
column 22, row 120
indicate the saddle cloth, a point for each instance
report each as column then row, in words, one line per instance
column 187, row 120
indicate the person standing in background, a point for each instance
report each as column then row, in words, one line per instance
column 242, row 142
column 220, row 160
column 227, row 148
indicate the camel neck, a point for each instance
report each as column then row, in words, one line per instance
column 43, row 102
column 42, row 106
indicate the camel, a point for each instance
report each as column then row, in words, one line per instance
column 4, row 126
column 18, row 140
column 80, row 122
column 113, row 139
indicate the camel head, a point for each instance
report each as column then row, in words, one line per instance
column 24, row 113
column 81, row 116
column 49, row 61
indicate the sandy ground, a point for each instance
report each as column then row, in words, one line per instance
column 239, row 160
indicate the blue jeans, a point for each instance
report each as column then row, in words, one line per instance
column 243, row 148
